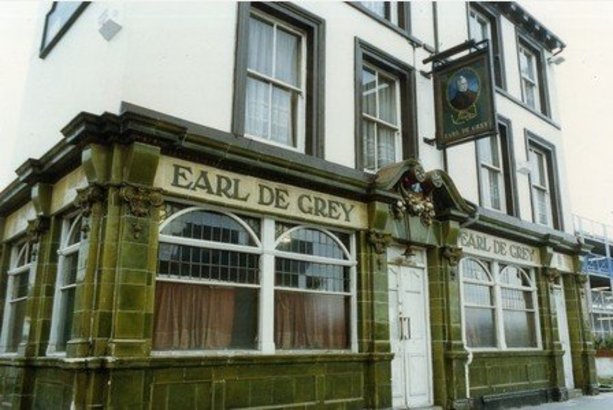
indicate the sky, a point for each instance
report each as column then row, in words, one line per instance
column 583, row 80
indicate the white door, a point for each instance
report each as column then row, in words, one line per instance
column 558, row 293
column 409, row 331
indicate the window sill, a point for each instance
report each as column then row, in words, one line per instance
column 231, row 353
column 404, row 33
column 273, row 143
column 543, row 117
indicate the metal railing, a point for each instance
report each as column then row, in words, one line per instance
column 602, row 300
column 590, row 229
column 594, row 263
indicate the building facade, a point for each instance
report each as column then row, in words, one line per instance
column 240, row 205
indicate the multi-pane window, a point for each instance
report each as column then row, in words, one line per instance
column 528, row 65
column 312, row 291
column 499, row 305
column 381, row 128
column 237, row 282
column 395, row 13
column 66, row 283
column 206, row 294
column 539, row 179
column 518, row 307
column 479, row 26
column 491, row 173
column 275, row 96
column 482, row 25
column 58, row 20
column 17, row 288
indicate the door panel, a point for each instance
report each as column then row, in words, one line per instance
column 409, row 336
column 562, row 321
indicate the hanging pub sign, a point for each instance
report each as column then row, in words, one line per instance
column 464, row 98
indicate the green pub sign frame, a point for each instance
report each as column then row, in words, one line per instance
column 464, row 99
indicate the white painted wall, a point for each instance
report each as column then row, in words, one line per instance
column 178, row 58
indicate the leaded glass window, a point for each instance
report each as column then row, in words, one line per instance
column 18, row 286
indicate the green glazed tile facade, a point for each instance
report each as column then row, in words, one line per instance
column 109, row 361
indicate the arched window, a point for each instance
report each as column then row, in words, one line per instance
column 518, row 297
column 479, row 305
column 208, row 282
column 66, row 284
column 499, row 303
column 312, row 289
column 18, row 285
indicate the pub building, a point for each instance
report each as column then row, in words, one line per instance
column 362, row 209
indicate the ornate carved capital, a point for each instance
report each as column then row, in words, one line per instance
column 88, row 196
column 581, row 279
column 552, row 274
column 453, row 254
column 379, row 241
column 140, row 200
column 36, row 227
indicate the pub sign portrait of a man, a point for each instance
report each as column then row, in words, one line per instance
column 464, row 99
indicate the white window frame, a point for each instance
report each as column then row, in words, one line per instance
column 477, row 18
column 390, row 11
column 266, row 248
column 495, row 273
column 528, row 82
column 379, row 122
column 69, row 224
column 17, row 251
column 484, row 173
column 299, row 103
column 535, row 185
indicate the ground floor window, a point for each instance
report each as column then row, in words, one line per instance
column 499, row 305
column 229, row 281
column 17, row 287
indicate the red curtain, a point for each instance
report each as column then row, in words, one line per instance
column 190, row 316
column 311, row 321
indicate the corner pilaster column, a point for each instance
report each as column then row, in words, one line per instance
column 448, row 352
column 134, row 215
column 581, row 340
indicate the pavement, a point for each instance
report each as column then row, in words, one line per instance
column 604, row 401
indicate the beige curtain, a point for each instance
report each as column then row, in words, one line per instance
column 189, row 316
column 311, row 321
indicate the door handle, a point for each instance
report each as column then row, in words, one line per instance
column 405, row 328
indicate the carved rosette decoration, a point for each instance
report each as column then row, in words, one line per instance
column 379, row 241
column 35, row 229
column 140, row 201
column 416, row 188
column 86, row 198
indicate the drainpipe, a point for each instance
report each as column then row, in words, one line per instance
column 465, row 224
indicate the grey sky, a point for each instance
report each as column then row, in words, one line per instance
column 583, row 80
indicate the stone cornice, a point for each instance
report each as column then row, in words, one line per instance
column 198, row 143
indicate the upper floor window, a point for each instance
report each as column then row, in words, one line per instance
column 532, row 78
column 381, row 128
column 17, row 288
column 58, row 21
column 496, row 171
column 545, row 198
column 275, row 82
column 279, row 77
column 499, row 305
column 384, row 119
column 483, row 25
column 66, row 284
column 394, row 13
column 491, row 173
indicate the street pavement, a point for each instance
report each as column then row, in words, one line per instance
column 604, row 401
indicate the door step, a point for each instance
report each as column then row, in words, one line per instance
column 574, row 393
